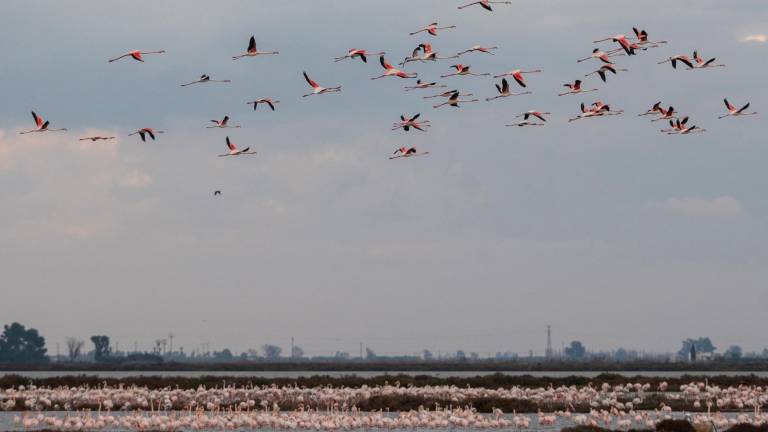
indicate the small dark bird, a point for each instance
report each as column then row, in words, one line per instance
column 217, row 193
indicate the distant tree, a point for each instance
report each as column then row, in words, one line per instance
column 428, row 356
column 243, row 356
column 474, row 356
column 575, row 351
column 460, row 355
column 101, row 349
column 271, row 352
column 253, row 354
column 700, row 345
column 621, row 355
column 297, row 352
column 765, row 353
column 74, row 346
column 734, row 352
column 19, row 345
column 341, row 355
column 370, row 354
column 223, row 355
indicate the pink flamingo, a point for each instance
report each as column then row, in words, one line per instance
column 462, row 70
column 359, row 53
column 575, row 88
column 318, row 89
column 485, row 4
column 392, row 71
column 252, row 51
column 736, row 112
column 233, row 150
column 432, row 29
column 137, row 55
column 404, row 152
column 41, row 126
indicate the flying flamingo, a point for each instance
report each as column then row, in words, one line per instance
column 454, row 101
column 622, row 41
column 222, row 124
column 678, row 58
column 356, row 52
column 538, row 114
column 676, row 125
column 432, row 29
column 486, row 4
column 271, row 103
column 42, row 126
column 424, row 85
column 597, row 109
column 429, row 54
column 685, row 130
column 503, row 90
column 575, row 88
column 701, row 64
column 642, row 37
column 666, row 114
column 517, row 74
column 404, row 152
column 97, row 138
column 392, row 71
column 601, row 55
column 448, row 94
column 478, row 48
column 735, row 112
column 137, row 55
column 252, row 51
column 233, row 151
column 605, row 68
column 653, row 110
column 317, row 88
column 525, row 123
column 462, row 70
column 205, row 79
column 143, row 132
column 406, row 123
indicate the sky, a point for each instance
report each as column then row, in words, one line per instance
column 611, row 232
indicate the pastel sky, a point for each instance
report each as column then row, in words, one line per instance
column 613, row 233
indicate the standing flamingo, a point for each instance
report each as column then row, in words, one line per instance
column 143, row 132
column 222, row 124
column 270, row 103
column 318, row 89
column 486, row 4
column 575, row 88
column 735, row 112
column 233, row 151
column 462, row 70
column 137, row 55
column 205, row 79
column 454, row 101
column 356, row 52
column 41, row 126
column 392, row 71
column 432, row 29
column 252, row 51
column 503, row 90
column 404, row 152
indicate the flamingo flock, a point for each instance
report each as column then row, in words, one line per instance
column 329, row 408
column 621, row 45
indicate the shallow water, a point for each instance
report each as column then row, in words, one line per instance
column 368, row 374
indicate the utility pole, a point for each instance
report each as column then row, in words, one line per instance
column 171, row 336
column 548, row 352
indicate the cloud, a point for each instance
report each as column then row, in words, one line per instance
column 760, row 38
column 721, row 207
